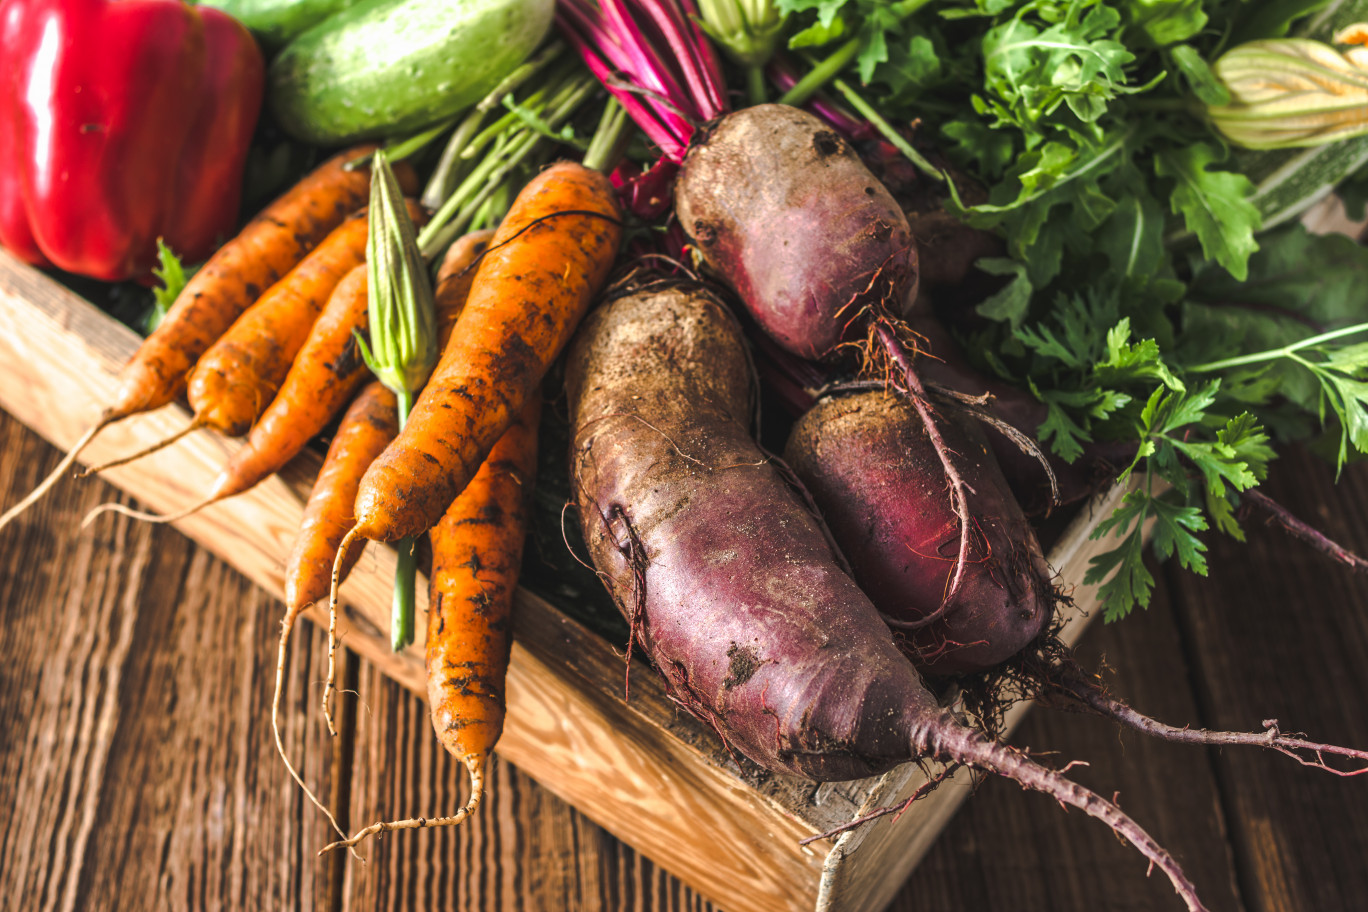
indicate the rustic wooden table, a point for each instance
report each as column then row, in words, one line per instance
column 137, row 769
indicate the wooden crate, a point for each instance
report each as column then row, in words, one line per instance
column 648, row 773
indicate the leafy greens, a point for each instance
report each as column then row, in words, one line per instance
column 1141, row 298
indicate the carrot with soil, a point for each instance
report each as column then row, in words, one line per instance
column 234, row 277
column 476, row 555
column 239, row 378
column 548, row 259
column 728, row 579
column 366, row 429
column 369, row 424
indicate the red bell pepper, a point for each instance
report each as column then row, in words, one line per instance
column 122, row 121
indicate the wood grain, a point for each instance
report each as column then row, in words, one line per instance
column 176, row 778
column 1279, row 632
column 651, row 774
column 134, row 768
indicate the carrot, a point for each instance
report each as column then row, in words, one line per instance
column 240, row 374
column 268, row 247
column 369, row 425
column 546, row 263
column 548, row 260
column 454, row 278
column 476, row 554
column 325, row 374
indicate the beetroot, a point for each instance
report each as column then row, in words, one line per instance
column 873, row 474
column 818, row 251
column 784, row 210
column 727, row 578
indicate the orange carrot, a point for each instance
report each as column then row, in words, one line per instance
column 454, row 278
column 265, row 250
column 235, row 380
column 476, row 555
column 293, row 348
column 324, row 376
column 268, row 247
column 240, row 373
column 369, row 425
column 546, row 264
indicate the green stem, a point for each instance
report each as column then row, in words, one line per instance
column 457, row 212
column 607, row 144
column 756, row 88
column 884, row 127
column 436, row 227
column 406, row 568
column 821, row 74
column 1275, row 353
column 453, row 161
column 416, row 143
column 451, row 166
column 827, row 69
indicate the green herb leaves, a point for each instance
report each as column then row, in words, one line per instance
column 173, row 277
column 1214, row 204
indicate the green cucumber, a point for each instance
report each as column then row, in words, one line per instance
column 275, row 23
column 393, row 67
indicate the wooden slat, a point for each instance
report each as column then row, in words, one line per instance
column 1031, row 856
column 136, row 766
column 1280, row 632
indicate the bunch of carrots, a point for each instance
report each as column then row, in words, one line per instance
column 272, row 337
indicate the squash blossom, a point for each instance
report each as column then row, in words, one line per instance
column 1294, row 91
column 403, row 339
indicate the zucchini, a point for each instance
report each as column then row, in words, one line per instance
column 392, row 67
column 275, row 23
column 1290, row 181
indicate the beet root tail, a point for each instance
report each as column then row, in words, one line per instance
column 959, row 743
column 1299, row 748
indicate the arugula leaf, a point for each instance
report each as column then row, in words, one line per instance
column 1011, row 302
column 872, row 21
column 1197, row 72
column 1167, row 21
column 1214, row 204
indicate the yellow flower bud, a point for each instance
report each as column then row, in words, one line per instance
column 1293, row 92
